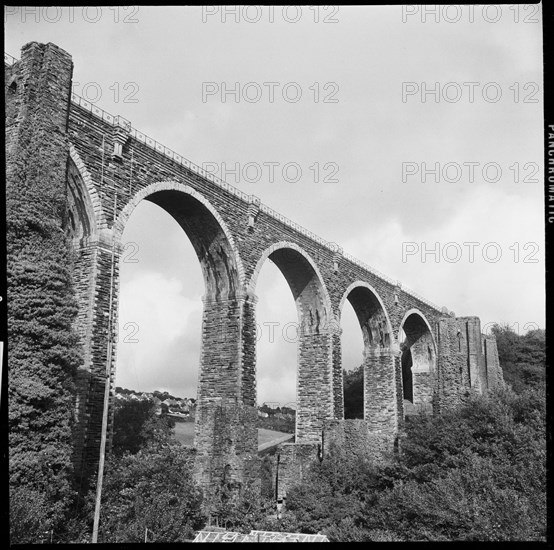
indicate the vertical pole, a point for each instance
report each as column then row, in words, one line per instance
column 106, row 400
column 102, row 454
column 277, row 478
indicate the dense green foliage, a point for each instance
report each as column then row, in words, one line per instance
column 522, row 357
column 148, row 482
column 353, row 389
column 152, row 489
column 136, row 425
column 43, row 349
column 474, row 473
column 241, row 512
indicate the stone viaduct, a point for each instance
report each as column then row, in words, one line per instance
column 111, row 167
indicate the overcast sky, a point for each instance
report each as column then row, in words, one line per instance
column 364, row 102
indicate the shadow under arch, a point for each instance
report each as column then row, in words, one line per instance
column 371, row 313
column 314, row 388
column 418, row 362
column 305, row 282
column 81, row 221
column 212, row 241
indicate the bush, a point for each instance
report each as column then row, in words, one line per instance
column 474, row 473
column 353, row 393
column 152, row 489
column 136, row 425
column 522, row 358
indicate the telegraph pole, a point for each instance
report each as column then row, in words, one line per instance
column 106, row 397
column 104, row 417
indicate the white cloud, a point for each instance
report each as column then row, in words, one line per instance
column 154, row 317
column 169, row 52
column 499, row 223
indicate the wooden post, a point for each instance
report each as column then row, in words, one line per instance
column 105, row 411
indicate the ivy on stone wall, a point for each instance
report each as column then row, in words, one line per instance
column 43, row 348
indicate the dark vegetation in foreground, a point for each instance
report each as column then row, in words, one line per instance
column 475, row 473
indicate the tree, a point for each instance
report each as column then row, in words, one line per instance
column 522, row 358
column 354, row 393
column 475, row 473
column 152, row 489
column 148, row 481
column 136, row 425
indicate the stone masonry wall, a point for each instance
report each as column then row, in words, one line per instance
column 355, row 438
column 380, row 389
column 293, row 460
column 494, row 375
column 118, row 166
column 453, row 372
column 476, row 371
column 317, row 361
column 314, row 396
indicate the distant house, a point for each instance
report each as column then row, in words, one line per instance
column 182, row 405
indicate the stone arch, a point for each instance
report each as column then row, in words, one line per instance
column 422, row 318
column 418, row 362
column 213, row 242
column 314, row 382
column 82, row 194
column 379, row 378
column 372, row 315
column 312, row 299
column 225, row 423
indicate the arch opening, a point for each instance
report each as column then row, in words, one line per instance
column 352, row 360
column 376, row 360
column 212, row 247
column 310, row 333
column 277, row 333
column 306, row 288
column 166, row 293
column 372, row 318
column 418, row 361
column 160, row 312
column 407, row 377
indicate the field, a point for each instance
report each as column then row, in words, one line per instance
column 184, row 433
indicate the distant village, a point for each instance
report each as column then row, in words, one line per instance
column 185, row 407
column 178, row 407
